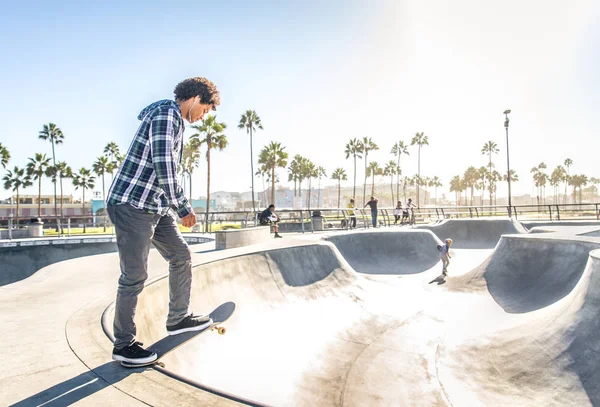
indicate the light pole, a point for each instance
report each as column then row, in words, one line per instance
column 506, row 112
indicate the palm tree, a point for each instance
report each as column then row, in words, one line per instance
column 391, row 168
column 421, row 140
column 556, row 178
column 578, row 181
column 273, row 156
column 320, row 174
column 470, row 177
column 52, row 133
column 368, row 145
column 250, row 121
column 397, row 150
column 436, row 182
column 294, row 173
column 514, row 177
column 490, row 148
column 594, row 181
column 568, row 163
column 190, row 160
column 540, row 179
column 14, row 180
column 62, row 171
column 37, row 167
column 354, row 148
column 101, row 167
column 4, row 156
column 309, row 171
column 456, row 187
column 339, row 174
column 111, row 150
column 83, row 180
column 372, row 170
column 213, row 138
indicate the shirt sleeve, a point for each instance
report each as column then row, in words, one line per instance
column 165, row 160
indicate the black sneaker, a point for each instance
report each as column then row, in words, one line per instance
column 278, row 236
column 190, row 323
column 134, row 353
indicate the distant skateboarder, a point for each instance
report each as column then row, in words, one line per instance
column 269, row 217
column 445, row 256
column 373, row 204
column 140, row 201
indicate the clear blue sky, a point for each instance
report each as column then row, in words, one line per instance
column 318, row 73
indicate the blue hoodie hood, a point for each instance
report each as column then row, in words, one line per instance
column 153, row 106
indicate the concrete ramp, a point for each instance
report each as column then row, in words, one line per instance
column 475, row 233
column 525, row 274
column 389, row 252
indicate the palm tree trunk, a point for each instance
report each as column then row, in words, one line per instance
column 104, row 197
column 354, row 188
column 398, row 179
column 490, row 154
column 17, row 217
column 273, row 185
column 251, row 171
column 392, row 188
column 365, row 183
column 319, row 194
column 208, row 185
column 61, row 201
column 54, row 181
column 40, row 196
column 339, row 191
column 419, row 177
column 373, row 185
column 83, row 210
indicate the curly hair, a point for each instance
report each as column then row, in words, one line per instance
column 198, row 86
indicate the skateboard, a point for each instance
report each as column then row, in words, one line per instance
column 172, row 342
column 441, row 279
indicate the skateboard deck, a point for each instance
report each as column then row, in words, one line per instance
column 441, row 279
column 172, row 342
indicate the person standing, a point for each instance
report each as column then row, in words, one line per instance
column 373, row 204
column 351, row 207
column 143, row 202
column 445, row 256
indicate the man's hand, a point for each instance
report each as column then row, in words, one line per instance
column 189, row 220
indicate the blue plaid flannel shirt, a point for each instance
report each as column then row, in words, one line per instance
column 147, row 179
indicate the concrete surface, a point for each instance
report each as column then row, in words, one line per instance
column 314, row 325
column 232, row 238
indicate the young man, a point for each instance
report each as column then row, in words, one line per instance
column 408, row 212
column 351, row 214
column 269, row 217
column 445, row 256
column 145, row 189
column 373, row 204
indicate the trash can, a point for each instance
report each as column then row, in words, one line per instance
column 35, row 227
column 317, row 220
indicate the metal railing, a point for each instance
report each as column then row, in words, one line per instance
column 319, row 219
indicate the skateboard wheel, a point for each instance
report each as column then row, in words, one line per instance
column 222, row 331
column 161, row 364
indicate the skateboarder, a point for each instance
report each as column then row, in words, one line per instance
column 269, row 217
column 373, row 204
column 445, row 256
column 397, row 210
column 141, row 199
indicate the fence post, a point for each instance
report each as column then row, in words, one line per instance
column 550, row 211
column 302, row 220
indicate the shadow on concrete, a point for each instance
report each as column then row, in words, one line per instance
column 389, row 252
column 21, row 262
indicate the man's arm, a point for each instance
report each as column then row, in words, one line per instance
column 164, row 160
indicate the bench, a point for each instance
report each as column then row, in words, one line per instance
column 230, row 238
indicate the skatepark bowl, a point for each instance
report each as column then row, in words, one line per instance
column 361, row 318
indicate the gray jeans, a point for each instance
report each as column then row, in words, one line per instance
column 445, row 262
column 136, row 231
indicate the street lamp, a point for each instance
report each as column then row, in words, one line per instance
column 506, row 113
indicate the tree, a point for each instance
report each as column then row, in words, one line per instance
column 354, row 148
column 294, row 172
column 470, row 177
column 578, row 181
column 391, row 168
column 54, row 135
column 4, row 156
column 250, row 121
column 540, row 179
column 62, row 171
column 309, row 171
column 213, row 138
column 420, row 139
column 273, row 156
column 83, row 180
column 101, row 166
column 594, row 181
column 15, row 180
column 456, row 187
column 397, row 150
column 37, row 168
column 556, row 178
column 568, row 163
column 436, row 182
column 372, row 170
column 339, row 174
column 367, row 145
column 190, row 160
column 490, row 148
column 320, row 174
column 111, row 150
